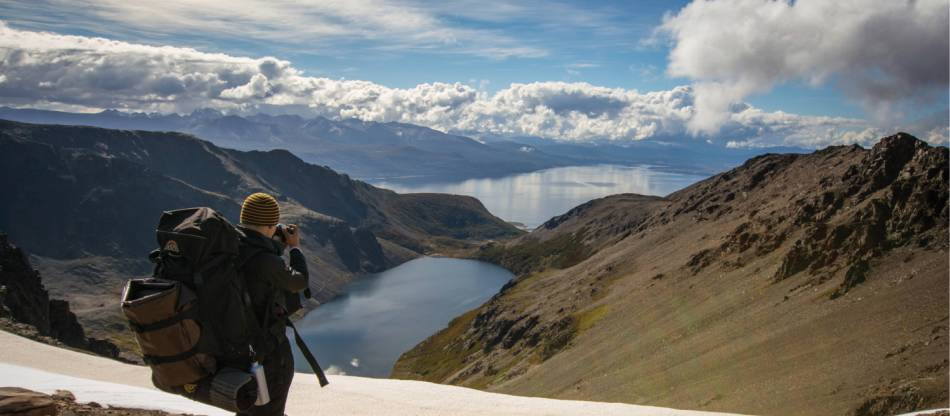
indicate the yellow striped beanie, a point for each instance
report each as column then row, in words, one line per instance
column 260, row 209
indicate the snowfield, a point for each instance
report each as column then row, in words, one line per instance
column 36, row 366
column 100, row 392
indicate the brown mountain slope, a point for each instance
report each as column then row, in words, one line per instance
column 794, row 284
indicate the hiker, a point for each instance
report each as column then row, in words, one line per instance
column 274, row 290
column 211, row 319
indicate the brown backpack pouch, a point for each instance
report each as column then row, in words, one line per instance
column 163, row 316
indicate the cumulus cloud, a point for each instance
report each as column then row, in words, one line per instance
column 257, row 87
column 882, row 53
column 76, row 73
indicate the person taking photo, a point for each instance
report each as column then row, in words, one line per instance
column 274, row 289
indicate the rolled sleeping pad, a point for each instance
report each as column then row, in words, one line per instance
column 233, row 390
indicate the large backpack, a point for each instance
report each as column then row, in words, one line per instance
column 193, row 318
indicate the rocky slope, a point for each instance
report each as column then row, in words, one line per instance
column 26, row 308
column 84, row 201
column 793, row 284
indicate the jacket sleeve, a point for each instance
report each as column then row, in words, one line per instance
column 299, row 263
column 293, row 278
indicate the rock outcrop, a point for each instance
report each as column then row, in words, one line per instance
column 26, row 301
column 16, row 401
column 23, row 402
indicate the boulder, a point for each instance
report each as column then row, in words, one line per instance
column 22, row 402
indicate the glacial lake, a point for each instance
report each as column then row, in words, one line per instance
column 533, row 198
column 364, row 331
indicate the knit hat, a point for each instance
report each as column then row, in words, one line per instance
column 260, row 209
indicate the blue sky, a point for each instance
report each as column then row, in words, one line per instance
column 728, row 51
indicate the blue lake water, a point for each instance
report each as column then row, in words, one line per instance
column 533, row 198
column 380, row 316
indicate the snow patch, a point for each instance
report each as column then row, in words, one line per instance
column 106, row 394
column 925, row 412
column 35, row 366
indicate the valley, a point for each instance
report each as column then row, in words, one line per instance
column 765, row 289
column 505, row 208
column 84, row 203
column 773, row 279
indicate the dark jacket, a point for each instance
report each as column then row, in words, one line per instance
column 273, row 286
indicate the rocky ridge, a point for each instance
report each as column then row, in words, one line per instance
column 84, row 202
column 26, row 308
column 832, row 264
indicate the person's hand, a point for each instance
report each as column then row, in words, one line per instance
column 292, row 236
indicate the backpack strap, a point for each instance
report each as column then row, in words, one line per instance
column 301, row 345
column 260, row 338
column 159, row 360
column 314, row 365
column 190, row 313
column 198, row 276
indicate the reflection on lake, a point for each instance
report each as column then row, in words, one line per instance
column 533, row 198
column 380, row 316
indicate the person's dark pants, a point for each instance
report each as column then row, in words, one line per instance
column 279, row 372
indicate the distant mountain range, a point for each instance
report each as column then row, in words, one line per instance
column 794, row 284
column 397, row 151
column 85, row 201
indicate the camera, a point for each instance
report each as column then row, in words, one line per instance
column 283, row 231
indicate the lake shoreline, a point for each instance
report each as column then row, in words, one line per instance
column 362, row 311
column 380, row 316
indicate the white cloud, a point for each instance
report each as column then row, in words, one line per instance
column 48, row 70
column 817, row 138
column 257, row 87
column 313, row 24
column 865, row 137
column 883, row 53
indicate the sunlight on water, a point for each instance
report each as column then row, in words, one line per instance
column 532, row 198
column 381, row 316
